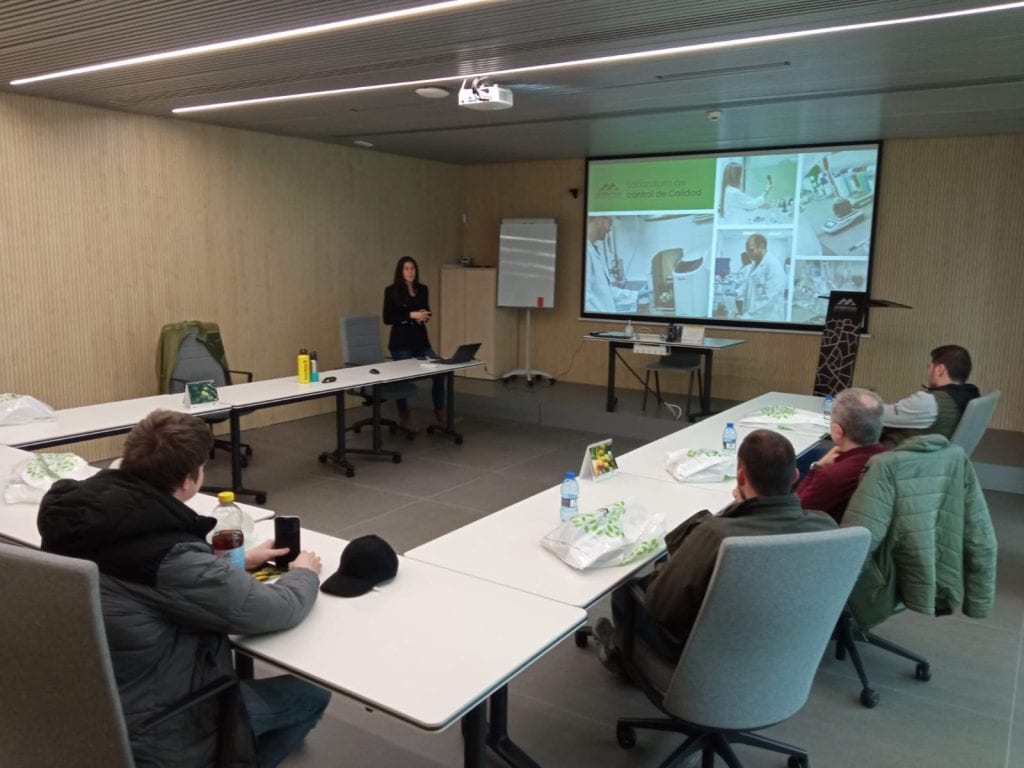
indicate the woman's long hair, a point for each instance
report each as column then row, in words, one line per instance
column 399, row 281
column 732, row 176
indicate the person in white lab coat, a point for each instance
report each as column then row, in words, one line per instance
column 735, row 205
column 602, row 288
column 766, row 283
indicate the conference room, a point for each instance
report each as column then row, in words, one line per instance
column 277, row 217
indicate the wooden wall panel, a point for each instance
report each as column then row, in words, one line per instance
column 948, row 242
column 113, row 224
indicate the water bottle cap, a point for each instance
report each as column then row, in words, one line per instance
column 226, row 497
column 570, row 475
column 728, row 424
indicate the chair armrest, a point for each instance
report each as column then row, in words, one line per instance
column 247, row 374
column 218, row 686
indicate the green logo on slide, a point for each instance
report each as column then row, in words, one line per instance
column 679, row 184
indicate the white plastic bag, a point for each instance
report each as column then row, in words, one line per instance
column 785, row 417
column 613, row 535
column 700, row 465
column 31, row 479
column 22, row 409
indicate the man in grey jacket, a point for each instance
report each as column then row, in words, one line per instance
column 169, row 603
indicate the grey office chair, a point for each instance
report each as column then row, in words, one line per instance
column 750, row 660
column 360, row 345
column 195, row 362
column 676, row 361
column 975, row 421
column 61, row 701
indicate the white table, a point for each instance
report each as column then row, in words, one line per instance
column 429, row 647
column 252, row 396
column 18, row 521
column 649, row 460
column 89, row 422
column 505, row 547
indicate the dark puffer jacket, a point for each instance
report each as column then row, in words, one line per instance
column 168, row 604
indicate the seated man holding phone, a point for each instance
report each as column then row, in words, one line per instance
column 169, row 603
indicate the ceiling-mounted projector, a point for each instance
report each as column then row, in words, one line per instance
column 483, row 95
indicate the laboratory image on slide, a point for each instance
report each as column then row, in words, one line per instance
column 837, row 195
column 649, row 264
column 815, row 279
column 752, row 275
column 756, row 189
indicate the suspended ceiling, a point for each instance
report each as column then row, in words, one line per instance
column 951, row 77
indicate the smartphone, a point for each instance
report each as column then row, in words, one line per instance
column 286, row 534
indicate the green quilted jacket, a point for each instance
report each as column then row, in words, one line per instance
column 932, row 543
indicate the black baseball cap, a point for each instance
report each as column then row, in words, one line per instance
column 365, row 563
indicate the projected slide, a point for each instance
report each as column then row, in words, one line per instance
column 748, row 238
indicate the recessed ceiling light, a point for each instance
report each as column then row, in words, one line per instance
column 272, row 37
column 619, row 57
column 363, row 143
column 433, row 92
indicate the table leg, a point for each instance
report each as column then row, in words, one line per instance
column 474, row 734
column 449, row 428
column 497, row 733
column 612, row 400
column 705, row 389
column 337, row 456
column 236, row 464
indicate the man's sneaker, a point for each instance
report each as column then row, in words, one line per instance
column 607, row 652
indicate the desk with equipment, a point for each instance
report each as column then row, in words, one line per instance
column 706, row 349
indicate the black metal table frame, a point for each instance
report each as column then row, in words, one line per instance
column 614, row 345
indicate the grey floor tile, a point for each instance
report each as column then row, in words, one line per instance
column 494, row 491
column 328, row 506
column 490, row 452
column 550, row 466
column 418, row 475
column 416, row 523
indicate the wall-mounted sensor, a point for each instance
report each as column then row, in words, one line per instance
column 714, row 115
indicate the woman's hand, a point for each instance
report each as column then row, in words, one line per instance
column 420, row 315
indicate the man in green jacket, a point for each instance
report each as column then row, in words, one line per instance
column 936, row 409
column 764, row 504
column 932, row 544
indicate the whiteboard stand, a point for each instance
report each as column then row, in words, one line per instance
column 528, row 372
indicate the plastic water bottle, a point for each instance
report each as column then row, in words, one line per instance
column 826, row 409
column 570, row 496
column 729, row 438
column 227, row 537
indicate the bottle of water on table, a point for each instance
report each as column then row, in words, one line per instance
column 729, row 438
column 826, row 409
column 570, row 496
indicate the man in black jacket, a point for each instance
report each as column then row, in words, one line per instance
column 169, row 602
column 764, row 504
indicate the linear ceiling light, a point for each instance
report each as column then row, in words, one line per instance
column 616, row 58
column 272, row 37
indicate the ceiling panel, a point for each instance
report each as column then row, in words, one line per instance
column 945, row 77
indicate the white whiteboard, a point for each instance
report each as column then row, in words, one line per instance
column 526, row 263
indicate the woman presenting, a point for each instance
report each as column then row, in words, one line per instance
column 407, row 311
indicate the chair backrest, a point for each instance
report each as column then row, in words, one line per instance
column 975, row 421
column 769, row 611
column 195, row 363
column 61, row 705
column 360, row 340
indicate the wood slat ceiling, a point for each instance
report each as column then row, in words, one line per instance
column 960, row 76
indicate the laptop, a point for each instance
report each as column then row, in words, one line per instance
column 463, row 354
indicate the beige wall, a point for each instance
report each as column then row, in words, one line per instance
column 113, row 224
column 948, row 242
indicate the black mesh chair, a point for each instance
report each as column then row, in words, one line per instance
column 360, row 345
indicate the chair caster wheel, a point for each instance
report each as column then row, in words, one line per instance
column 580, row 638
column 458, row 440
column 322, row 458
column 396, row 459
column 869, row 698
column 350, row 472
column 261, row 498
column 357, row 430
column 243, row 463
column 430, row 429
column 625, row 735
column 248, row 451
column 923, row 672
column 798, row 761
